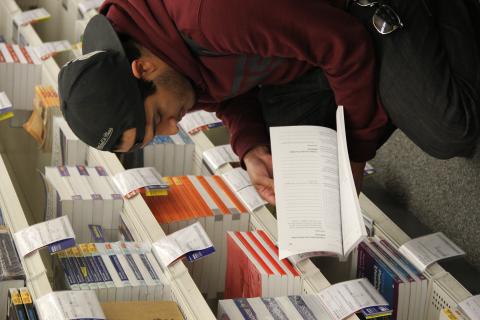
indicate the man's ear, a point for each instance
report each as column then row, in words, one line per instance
column 143, row 68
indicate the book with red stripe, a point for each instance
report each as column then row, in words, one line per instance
column 278, row 278
column 247, row 276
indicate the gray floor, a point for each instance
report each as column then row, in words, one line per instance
column 443, row 194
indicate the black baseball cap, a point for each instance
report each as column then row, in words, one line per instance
column 99, row 96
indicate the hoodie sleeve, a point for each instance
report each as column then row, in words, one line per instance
column 312, row 31
column 243, row 117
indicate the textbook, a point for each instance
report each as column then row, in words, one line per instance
column 46, row 106
column 114, row 270
column 11, row 271
column 317, row 203
column 255, row 270
column 208, row 200
column 170, row 155
column 20, row 71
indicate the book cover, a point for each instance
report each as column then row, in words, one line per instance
column 316, row 200
column 380, row 276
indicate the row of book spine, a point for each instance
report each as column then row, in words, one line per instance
column 117, row 271
column 170, row 155
column 20, row 71
column 208, row 200
column 400, row 283
column 305, row 307
column 86, row 195
column 20, row 305
column 254, row 268
column 67, row 149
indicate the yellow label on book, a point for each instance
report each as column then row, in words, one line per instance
column 157, row 192
column 83, row 247
column 26, row 298
column 177, row 181
column 91, row 248
column 449, row 314
column 16, row 299
column 167, row 180
column 76, row 251
column 6, row 115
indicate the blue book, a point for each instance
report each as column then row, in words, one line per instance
column 382, row 277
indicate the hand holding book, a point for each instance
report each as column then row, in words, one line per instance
column 259, row 167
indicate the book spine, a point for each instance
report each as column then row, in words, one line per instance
column 379, row 275
column 28, row 304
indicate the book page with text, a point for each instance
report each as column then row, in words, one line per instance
column 305, row 169
column 353, row 226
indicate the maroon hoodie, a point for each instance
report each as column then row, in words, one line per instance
column 241, row 44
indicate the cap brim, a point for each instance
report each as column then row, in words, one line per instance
column 100, row 35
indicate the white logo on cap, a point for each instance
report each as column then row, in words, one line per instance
column 105, row 137
column 85, row 56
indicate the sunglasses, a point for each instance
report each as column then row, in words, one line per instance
column 385, row 19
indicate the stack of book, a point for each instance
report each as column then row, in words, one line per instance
column 46, row 106
column 254, row 268
column 400, row 283
column 20, row 71
column 11, row 271
column 208, row 200
column 67, row 149
column 6, row 107
column 308, row 307
column 291, row 307
column 86, row 195
column 20, row 305
column 117, row 271
column 170, row 155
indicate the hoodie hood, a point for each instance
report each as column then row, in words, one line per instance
column 148, row 23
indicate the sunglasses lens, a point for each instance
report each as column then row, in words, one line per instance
column 385, row 20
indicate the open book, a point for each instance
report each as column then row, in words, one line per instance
column 317, row 204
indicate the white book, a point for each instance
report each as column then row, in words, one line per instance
column 178, row 155
column 81, row 186
column 139, row 258
column 157, row 273
column 9, row 72
column 316, row 306
column 135, row 265
column 119, row 276
column 159, row 157
column 227, row 226
column 260, row 309
column 149, row 156
column 21, row 84
column 3, row 71
column 317, row 204
column 293, row 307
column 34, row 72
column 104, row 272
column 132, row 279
column 189, row 146
column 168, row 158
column 105, row 218
column 227, row 309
